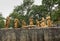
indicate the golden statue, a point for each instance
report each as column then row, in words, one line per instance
column 16, row 22
column 43, row 23
column 31, row 21
column 49, row 22
column 23, row 24
column 7, row 22
column 38, row 23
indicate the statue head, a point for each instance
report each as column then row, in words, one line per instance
column 36, row 19
column 43, row 19
column 23, row 21
column 48, row 17
column 31, row 17
column 8, row 17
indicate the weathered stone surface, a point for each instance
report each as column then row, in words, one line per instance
column 42, row 34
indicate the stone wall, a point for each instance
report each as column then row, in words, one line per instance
column 42, row 34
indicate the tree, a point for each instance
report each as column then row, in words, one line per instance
column 56, row 15
column 1, row 21
column 27, row 9
column 24, row 8
column 38, row 11
column 49, row 4
column 21, row 12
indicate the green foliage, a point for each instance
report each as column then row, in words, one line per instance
column 38, row 11
column 1, row 21
column 56, row 15
column 49, row 5
column 19, row 11
column 27, row 9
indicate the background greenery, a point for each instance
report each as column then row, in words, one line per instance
column 28, row 9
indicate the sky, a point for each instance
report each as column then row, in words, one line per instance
column 7, row 6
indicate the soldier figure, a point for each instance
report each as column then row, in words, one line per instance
column 43, row 23
column 16, row 22
column 31, row 21
column 7, row 22
column 38, row 23
column 49, row 22
column 23, row 24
